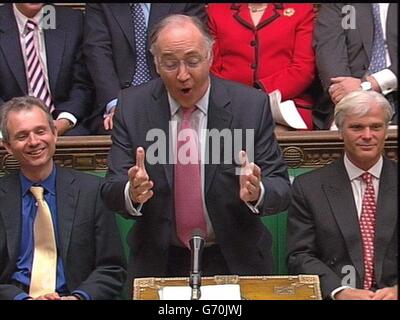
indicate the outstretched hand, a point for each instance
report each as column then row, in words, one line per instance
column 250, row 178
column 140, row 183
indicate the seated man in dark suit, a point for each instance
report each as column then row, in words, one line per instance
column 172, row 198
column 342, row 222
column 117, row 52
column 356, row 48
column 57, row 239
column 40, row 56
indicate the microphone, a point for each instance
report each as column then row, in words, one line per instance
column 196, row 248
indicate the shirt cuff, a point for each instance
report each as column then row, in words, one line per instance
column 387, row 80
column 254, row 208
column 337, row 290
column 68, row 116
column 81, row 295
column 129, row 205
column 111, row 105
column 22, row 296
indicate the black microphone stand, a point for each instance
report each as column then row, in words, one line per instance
column 196, row 248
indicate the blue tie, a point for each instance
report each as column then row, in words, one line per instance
column 142, row 74
column 378, row 57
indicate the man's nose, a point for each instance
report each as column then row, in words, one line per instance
column 33, row 139
column 366, row 134
column 183, row 73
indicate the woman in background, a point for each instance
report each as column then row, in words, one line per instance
column 267, row 46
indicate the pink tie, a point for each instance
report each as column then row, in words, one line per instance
column 189, row 213
column 367, row 226
column 36, row 79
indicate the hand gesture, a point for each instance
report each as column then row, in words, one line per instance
column 108, row 120
column 250, row 178
column 140, row 184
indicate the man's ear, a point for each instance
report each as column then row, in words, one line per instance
column 156, row 65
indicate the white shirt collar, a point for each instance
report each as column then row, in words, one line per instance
column 354, row 172
column 22, row 19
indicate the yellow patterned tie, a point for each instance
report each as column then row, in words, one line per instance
column 44, row 266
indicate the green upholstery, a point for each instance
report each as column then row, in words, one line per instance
column 276, row 225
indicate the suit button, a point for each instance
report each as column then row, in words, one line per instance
column 126, row 84
column 253, row 43
column 253, row 65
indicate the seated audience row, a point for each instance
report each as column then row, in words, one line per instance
column 305, row 56
column 342, row 217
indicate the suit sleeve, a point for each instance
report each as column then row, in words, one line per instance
column 120, row 159
column 79, row 101
column 108, row 276
column 330, row 44
column 294, row 79
column 197, row 10
column 301, row 241
column 98, row 53
column 268, row 156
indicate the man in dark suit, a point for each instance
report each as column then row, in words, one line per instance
column 89, row 261
column 231, row 205
column 344, row 40
column 110, row 49
column 58, row 46
column 340, row 226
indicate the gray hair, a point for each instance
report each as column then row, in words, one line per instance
column 359, row 103
column 18, row 104
column 180, row 20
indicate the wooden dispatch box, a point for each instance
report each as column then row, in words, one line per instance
column 301, row 287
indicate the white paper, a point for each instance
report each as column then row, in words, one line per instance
column 285, row 112
column 212, row 292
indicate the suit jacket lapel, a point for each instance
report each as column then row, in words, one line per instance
column 219, row 117
column 340, row 196
column 386, row 214
column 55, row 45
column 157, row 12
column 67, row 200
column 10, row 198
column 364, row 26
column 123, row 15
column 11, row 47
column 159, row 116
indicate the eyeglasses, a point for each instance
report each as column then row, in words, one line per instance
column 172, row 65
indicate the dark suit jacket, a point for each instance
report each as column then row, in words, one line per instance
column 109, row 45
column 347, row 52
column 241, row 235
column 69, row 80
column 323, row 227
column 90, row 245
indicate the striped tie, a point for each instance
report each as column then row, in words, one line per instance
column 36, row 80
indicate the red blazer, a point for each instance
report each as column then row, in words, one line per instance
column 277, row 54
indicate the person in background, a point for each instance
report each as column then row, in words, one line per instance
column 57, row 239
column 170, row 200
column 343, row 220
column 117, row 52
column 356, row 48
column 40, row 56
column 267, row 46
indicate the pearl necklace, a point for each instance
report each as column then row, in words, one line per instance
column 254, row 10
